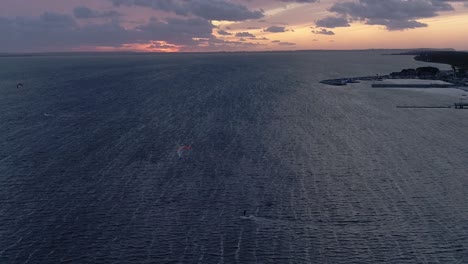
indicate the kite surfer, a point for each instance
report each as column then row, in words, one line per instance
column 182, row 150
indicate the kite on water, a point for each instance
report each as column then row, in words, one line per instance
column 181, row 151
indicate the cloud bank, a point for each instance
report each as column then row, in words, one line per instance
column 207, row 9
column 52, row 31
column 51, row 25
column 393, row 14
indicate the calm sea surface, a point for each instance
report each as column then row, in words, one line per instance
column 282, row 169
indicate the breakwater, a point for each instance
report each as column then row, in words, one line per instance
column 413, row 85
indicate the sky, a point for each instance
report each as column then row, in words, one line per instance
column 230, row 25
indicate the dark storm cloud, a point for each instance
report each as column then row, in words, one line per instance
column 275, row 29
column 58, row 32
column 207, row 9
column 245, row 35
column 323, row 32
column 394, row 14
column 83, row 12
column 332, row 22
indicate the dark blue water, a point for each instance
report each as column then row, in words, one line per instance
column 89, row 171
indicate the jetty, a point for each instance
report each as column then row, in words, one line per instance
column 460, row 105
column 423, row 106
column 345, row 81
column 413, row 83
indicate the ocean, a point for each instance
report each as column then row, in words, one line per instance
column 277, row 168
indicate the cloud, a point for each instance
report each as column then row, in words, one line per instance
column 215, row 44
column 323, row 32
column 177, row 31
column 275, row 29
column 245, row 35
column 259, row 38
column 283, row 43
column 49, row 19
column 207, row 9
column 394, row 14
column 58, row 32
column 396, row 24
column 458, row 1
column 224, row 33
column 452, row 1
column 286, row 43
column 300, row 1
column 161, row 45
column 332, row 22
column 83, row 12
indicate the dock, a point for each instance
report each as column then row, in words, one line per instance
column 412, row 83
column 428, row 85
column 460, row 105
column 345, row 81
column 423, row 106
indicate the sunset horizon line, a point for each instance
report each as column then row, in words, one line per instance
column 226, row 51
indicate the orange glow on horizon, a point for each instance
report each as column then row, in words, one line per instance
column 154, row 46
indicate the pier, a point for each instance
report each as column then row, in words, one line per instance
column 460, row 105
column 423, row 106
column 428, row 85
column 345, row 81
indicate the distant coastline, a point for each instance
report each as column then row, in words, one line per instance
column 421, row 50
column 457, row 77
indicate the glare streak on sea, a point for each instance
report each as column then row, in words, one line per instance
column 280, row 169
